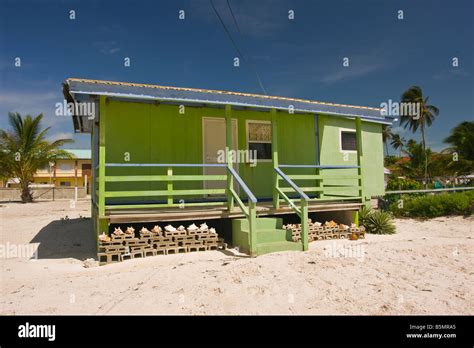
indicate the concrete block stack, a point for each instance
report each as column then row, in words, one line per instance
column 328, row 230
column 120, row 246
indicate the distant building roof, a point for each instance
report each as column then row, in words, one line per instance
column 80, row 153
column 82, row 89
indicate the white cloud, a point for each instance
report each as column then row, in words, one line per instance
column 107, row 47
column 23, row 98
column 350, row 72
column 33, row 103
column 40, row 97
column 451, row 74
column 60, row 135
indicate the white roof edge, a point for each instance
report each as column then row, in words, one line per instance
column 147, row 97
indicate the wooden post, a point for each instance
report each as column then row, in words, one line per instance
column 102, row 122
column 252, row 228
column 102, row 224
column 75, row 180
column 169, row 186
column 360, row 158
column 276, row 196
column 355, row 217
column 319, row 171
column 304, row 224
column 228, row 148
column 75, row 173
column 316, row 149
column 93, row 171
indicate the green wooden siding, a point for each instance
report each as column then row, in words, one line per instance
column 157, row 133
column 329, row 129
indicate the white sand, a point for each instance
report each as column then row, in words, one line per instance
column 426, row 268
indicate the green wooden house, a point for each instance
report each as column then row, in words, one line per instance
column 159, row 154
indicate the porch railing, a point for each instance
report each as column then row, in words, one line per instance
column 250, row 211
column 327, row 191
column 170, row 178
column 324, row 192
column 302, row 212
column 229, row 195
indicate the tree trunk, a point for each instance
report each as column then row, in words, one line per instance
column 26, row 196
column 422, row 129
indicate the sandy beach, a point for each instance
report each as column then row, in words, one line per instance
column 426, row 268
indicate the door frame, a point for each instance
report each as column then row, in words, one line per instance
column 233, row 120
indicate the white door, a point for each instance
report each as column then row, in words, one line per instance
column 214, row 134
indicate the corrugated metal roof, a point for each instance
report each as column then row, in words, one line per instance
column 84, row 87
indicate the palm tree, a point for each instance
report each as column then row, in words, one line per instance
column 25, row 149
column 414, row 168
column 398, row 142
column 424, row 119
column 4, row 175
column 461, row 140
column 386, row 135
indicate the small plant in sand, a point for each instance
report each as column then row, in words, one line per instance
column 364, row 214
column 376, row 222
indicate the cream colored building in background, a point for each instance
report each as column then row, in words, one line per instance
column 75, row 172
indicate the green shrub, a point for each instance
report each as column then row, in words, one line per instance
column 375, row 221
column 435, row 205
column 395, row 184
column 364, row 214
column 380, row 222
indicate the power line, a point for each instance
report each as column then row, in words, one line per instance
column 232, row 13
column 236, row 47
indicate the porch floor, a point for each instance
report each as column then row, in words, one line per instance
column 216, row 212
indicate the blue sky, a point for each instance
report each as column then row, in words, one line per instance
column 295, row 58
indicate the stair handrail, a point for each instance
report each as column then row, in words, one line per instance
column 292, row 184
column 242, row 184
column 302, row 212
column 250, row 212
column 330, row 166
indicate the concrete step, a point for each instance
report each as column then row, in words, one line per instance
column 262, row 223
column 272, row 235
column 273, row 247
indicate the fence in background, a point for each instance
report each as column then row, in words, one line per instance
column 447, row 189
column 44, row 193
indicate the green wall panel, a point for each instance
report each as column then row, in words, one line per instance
column 157, row 133
column 329, row 129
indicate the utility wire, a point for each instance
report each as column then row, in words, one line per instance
column 236, row 47
column 235, row 20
